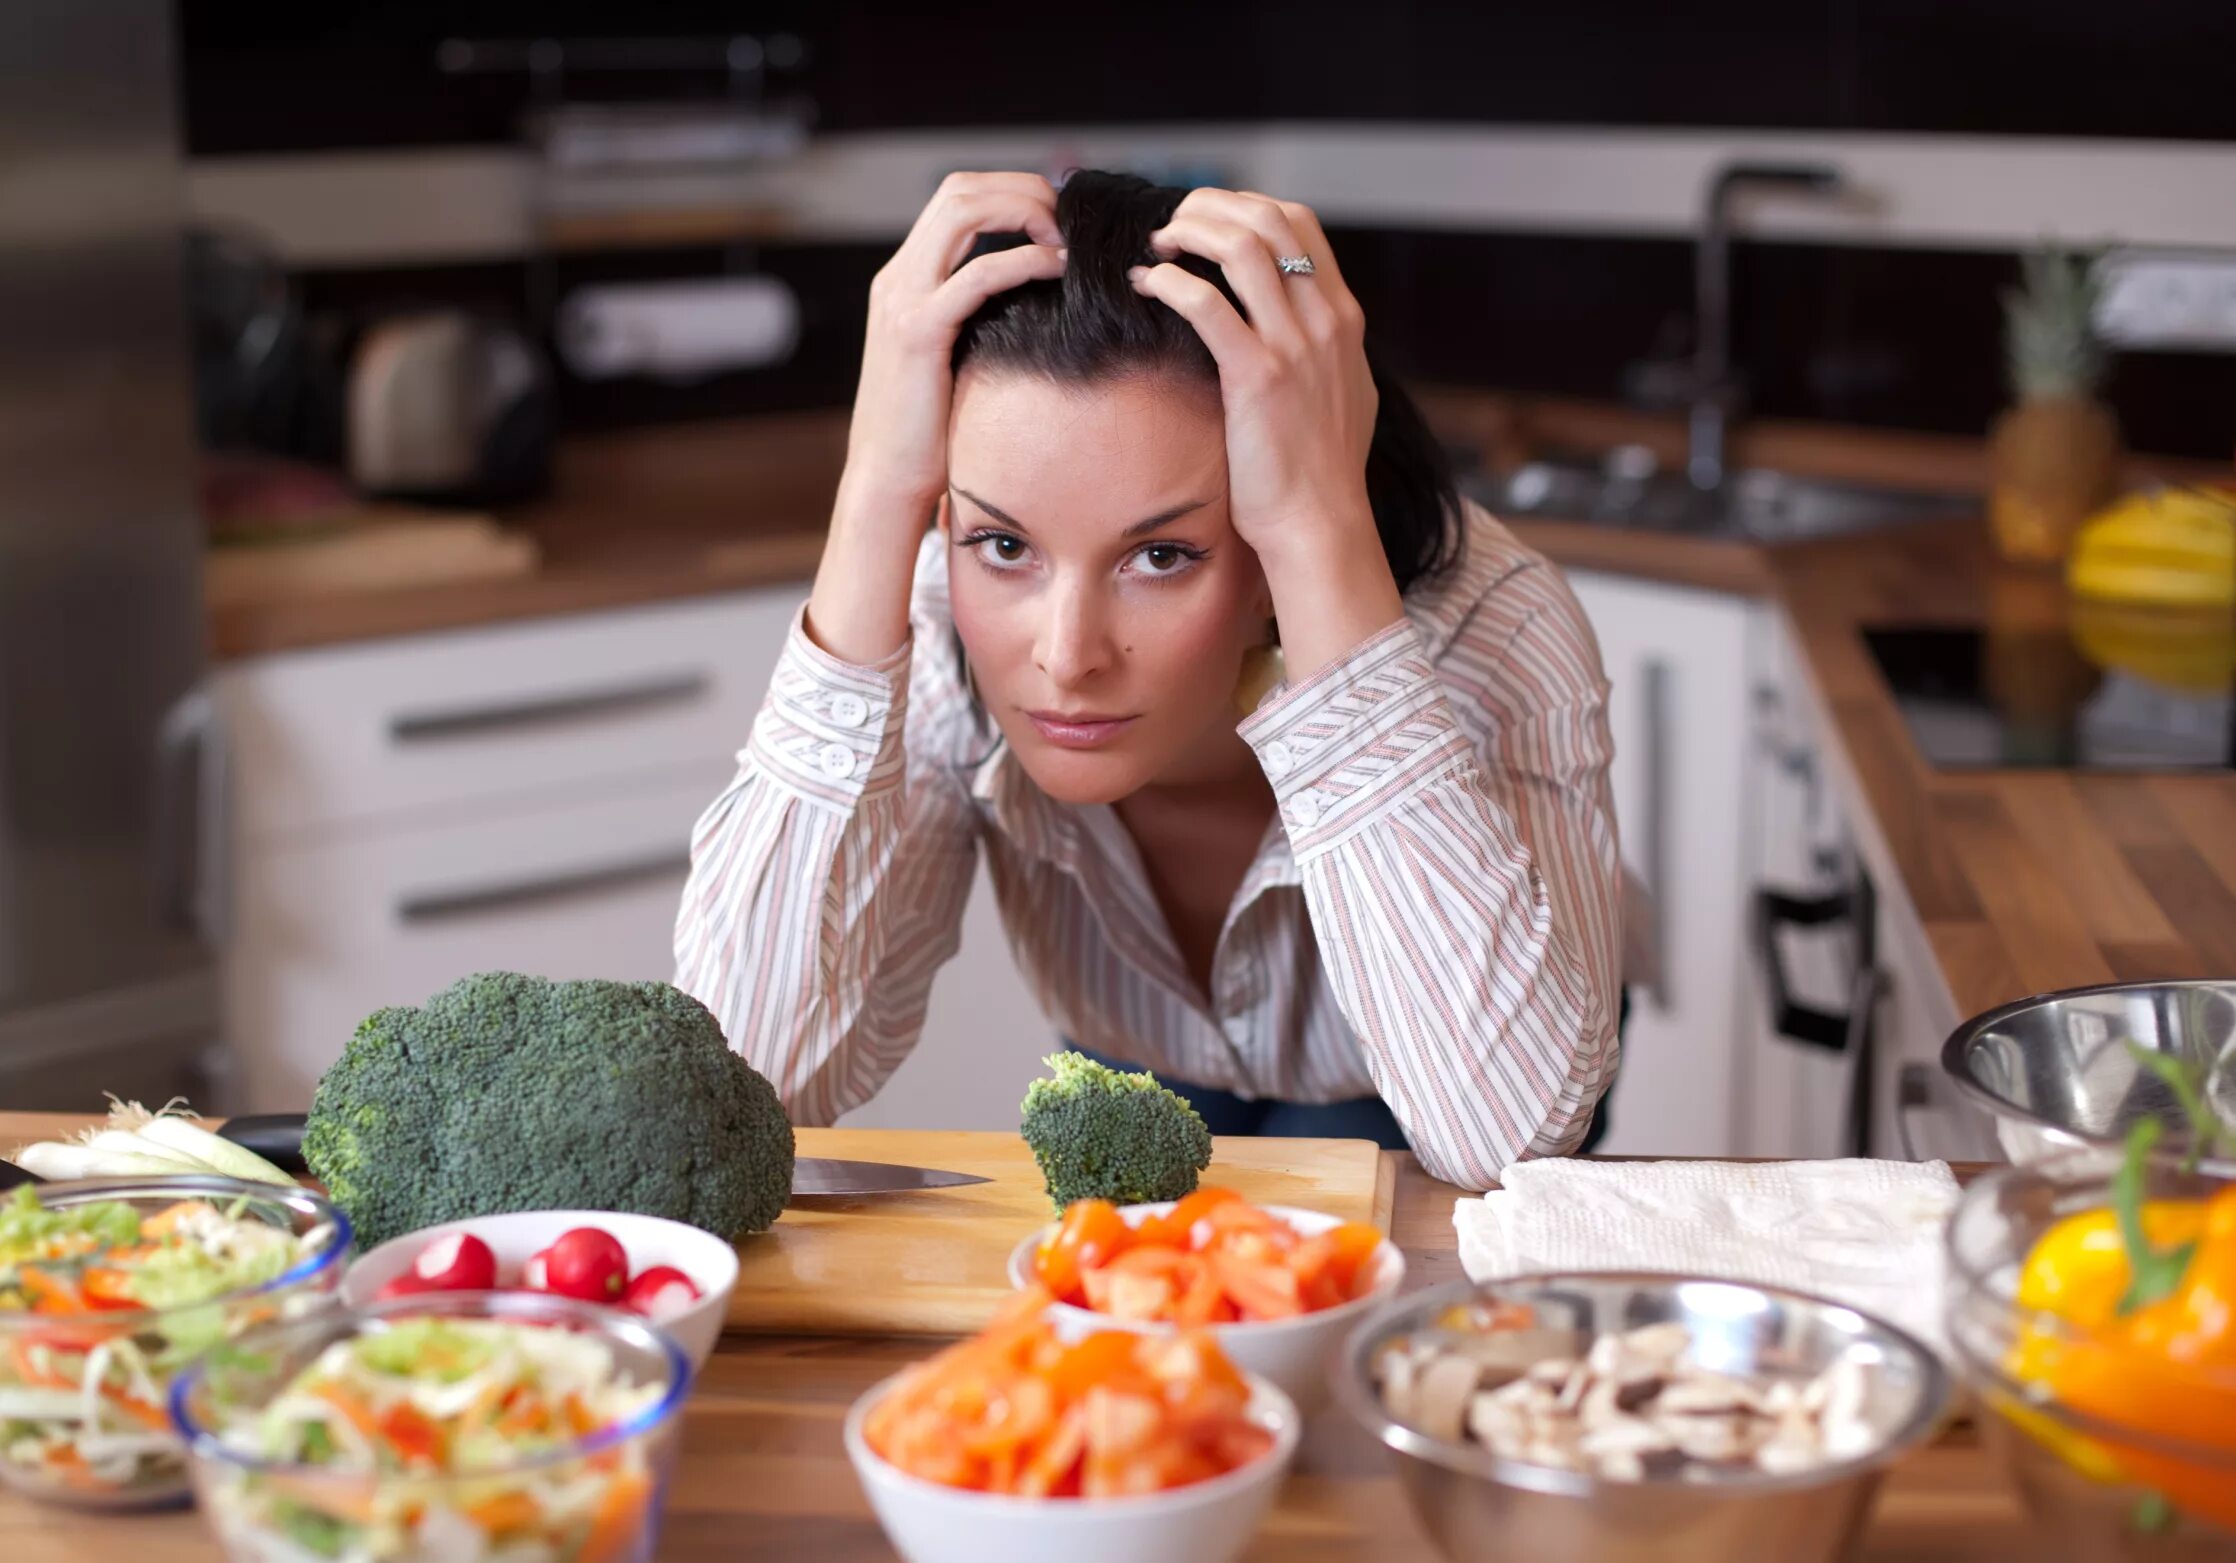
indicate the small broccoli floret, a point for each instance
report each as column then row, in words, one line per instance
column 508, row 1092
column 1103, row 1133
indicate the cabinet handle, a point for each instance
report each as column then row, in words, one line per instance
column 1851, row 1032
column 1913, row 1089
column 1657, row 683
column 1789, row 1017
column 193, row 821
column 478, row 721
column 442, row 905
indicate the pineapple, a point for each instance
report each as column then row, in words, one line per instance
column 2056, row 455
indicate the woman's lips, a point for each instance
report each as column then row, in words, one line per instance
column 1078, row 732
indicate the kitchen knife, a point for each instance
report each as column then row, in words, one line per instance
column 814, row 1176
column 11, row 1175
column 278, row 1138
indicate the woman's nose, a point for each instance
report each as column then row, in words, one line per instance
column 1074, row 644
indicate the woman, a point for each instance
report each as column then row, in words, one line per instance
column 1161, row 468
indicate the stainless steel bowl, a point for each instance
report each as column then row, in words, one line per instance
column 2055, row 1073
column 1479, row 1507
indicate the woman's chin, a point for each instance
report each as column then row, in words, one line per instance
column 1081, row 776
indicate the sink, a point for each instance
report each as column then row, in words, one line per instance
column 1629, row 490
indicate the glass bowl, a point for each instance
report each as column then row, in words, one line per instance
column 594, row 1499
column 112, row 1447
column 2124, row 1475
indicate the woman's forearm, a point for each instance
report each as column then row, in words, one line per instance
column 1332, row 590
column 858, row 611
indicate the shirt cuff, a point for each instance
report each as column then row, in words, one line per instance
column 830, row 730
column 1353, row 738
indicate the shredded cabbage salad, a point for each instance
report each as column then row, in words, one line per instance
column 85, row 1367
column 405, row 1446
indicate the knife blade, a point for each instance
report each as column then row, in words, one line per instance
column 815, row 1176
column 278, row 1138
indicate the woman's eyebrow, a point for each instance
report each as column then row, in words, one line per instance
column 1148, row 524
column 1163, row 516
column 993, row 510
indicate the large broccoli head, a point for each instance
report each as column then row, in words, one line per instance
column 1102, row 1133
column 506, row 1092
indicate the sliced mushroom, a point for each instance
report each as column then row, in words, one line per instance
column 1441, row 1399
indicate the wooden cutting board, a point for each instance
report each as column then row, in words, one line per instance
column 368, row 548
column 936, row 1263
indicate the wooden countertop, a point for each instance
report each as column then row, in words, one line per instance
column 2022, row 880
column 640, row 516
column 764, row 1475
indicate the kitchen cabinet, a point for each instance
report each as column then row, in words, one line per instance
column 1677, row 661
column 1845, row 1007
column 406, row 811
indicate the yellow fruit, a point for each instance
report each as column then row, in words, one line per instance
column 2175, row 546
column 2192, row 650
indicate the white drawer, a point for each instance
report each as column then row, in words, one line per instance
column 323, row 934
column 423, row 724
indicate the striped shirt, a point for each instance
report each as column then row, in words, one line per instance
column 1433, row 915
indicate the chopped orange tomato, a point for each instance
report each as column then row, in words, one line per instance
column 1091, row 1231
column 1017, row 1411
column 1214, row 1258
column 413, row 1435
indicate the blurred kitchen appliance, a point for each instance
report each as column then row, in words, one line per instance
column 1940, row 676
column 259, row 384
column 110, row 770
column 445, row 406
column 679, row 331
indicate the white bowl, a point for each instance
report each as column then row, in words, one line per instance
column 1207, row 1522
column 1295, row 1354
column 516, row 1238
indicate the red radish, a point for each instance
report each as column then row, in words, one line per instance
column 586, row 1264
column 409, row 1284
column 457, row 1262
column 660, row 1293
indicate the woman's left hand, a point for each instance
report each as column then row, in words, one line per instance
column 1299, row 404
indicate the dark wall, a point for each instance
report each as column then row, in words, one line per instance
column 1906, row 338
column 363, row 74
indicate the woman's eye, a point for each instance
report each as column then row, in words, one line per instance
column 999, row 549
column 1163, row 558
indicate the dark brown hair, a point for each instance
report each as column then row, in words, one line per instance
column 1090, row 326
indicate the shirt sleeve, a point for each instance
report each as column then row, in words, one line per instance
column 1462, row 874
column 827, row 883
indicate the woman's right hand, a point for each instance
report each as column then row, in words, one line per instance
column 896, row 448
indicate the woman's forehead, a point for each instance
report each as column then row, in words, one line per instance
column 1115, row 451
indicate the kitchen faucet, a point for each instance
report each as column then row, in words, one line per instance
column 1713, row 390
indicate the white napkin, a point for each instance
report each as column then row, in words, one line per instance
column 1865, row 1233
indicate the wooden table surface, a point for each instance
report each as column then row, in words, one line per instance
column 763, row 1474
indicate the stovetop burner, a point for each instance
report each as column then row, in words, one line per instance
column 2032, row 701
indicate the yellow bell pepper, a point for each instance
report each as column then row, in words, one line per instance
column 2077, row 1272
column 2166, row 1368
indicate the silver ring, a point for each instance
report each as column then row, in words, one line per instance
column 1294, row 265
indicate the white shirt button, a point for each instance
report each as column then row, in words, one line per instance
column 837, row 761
column 1304, row 810
column 1279, row 760
column 849, row 709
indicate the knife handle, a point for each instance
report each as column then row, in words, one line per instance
column 277, row 1137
